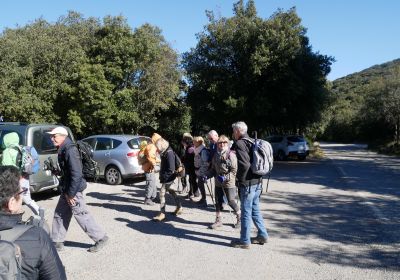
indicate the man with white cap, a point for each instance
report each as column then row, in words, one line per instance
column 71, row 201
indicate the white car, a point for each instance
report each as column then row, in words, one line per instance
column 289, row 146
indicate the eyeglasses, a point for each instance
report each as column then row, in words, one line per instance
column 24, row 190
column 222, row 142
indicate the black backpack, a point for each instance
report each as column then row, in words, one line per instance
column 89, row 165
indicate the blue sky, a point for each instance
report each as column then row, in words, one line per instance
column 358, row 33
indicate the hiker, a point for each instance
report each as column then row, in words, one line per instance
column 10, row 155
column 201, row 164
column 167, row 178
column 40, row 259
column 188, row 162
column 148, row 165
column 224, row 167
column 250, row 187
column 71, row 201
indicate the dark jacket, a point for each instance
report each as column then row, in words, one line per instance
column 72, row 180
column 167, row 167
column 188, row 159
column 244, row 175
column 40, row 259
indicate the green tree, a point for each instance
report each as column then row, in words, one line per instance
column 260, row 71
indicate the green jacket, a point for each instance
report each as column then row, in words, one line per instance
column 10, row 141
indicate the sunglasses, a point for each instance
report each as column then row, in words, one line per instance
column 222, row 142
column 24, row 190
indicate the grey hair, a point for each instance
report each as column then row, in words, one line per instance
column 240, row 126
column 213, row 133
column 162, row 145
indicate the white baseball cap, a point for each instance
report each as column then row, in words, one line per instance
column 59, row 130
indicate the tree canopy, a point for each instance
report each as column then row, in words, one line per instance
column 92, row 75
column 260, row 71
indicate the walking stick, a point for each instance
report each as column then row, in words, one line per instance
column 209, row 190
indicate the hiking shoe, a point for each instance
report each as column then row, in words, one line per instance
column 239, row 244
column 178, row 211
column 216, row 224
column 148, row 201
column 259, row 240
column 155, row 199
column 159, row 218
column 99, row 245
column 59, row 246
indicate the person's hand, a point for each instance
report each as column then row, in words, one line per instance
column 204, row 178
column 221, row 178
column 70, row 200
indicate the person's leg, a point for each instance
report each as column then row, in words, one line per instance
column 153, row 186
column 26, row 197
column 61, row 220
column 178, row 204
column 86, row 220
column 200, row 185
column 148, row 190
column 193, row 184
column 218, row 203
column 162, row 198
column 231, row 195
column 257, row 217
column 246, row 202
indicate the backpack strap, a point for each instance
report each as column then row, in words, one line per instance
column 14, row 233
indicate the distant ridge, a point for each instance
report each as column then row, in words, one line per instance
column 355, row 83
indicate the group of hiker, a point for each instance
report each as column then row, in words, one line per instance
column 227, row 164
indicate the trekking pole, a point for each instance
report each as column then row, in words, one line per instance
column 209, row 190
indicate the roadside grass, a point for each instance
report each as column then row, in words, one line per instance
column 389, row 148
column 315, row 150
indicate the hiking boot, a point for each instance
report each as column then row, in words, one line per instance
column 178, row 211
column 238, row 223
column 148, row 201
column 159, row 218
column 99, row 245
column 239, row 244
column 217, row 223
column 155, row 200
column 59, row 246
column 259, row 240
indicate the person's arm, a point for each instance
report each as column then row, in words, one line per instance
column 243, row 161
column 51, row 267
column 74, row 164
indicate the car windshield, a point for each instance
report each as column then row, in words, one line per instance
column 295, row 139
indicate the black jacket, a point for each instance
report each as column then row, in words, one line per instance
column 188, row 159
column 72, row 180
column 40, row 259
column 167, row 167
column 244, row 175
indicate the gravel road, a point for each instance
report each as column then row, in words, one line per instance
column 307, row 214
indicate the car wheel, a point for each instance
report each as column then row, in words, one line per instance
column 301, row 157
column 281, row 155
column 113, row 176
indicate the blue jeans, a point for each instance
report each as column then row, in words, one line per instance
column 250, row 207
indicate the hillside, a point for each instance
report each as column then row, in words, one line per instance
column 364, row 77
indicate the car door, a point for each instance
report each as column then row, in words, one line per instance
column 102, row 154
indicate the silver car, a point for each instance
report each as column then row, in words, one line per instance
column 116, row 156
column 289, row 146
